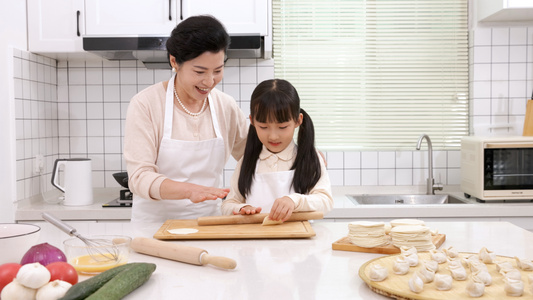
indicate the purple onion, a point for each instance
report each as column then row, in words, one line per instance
column 44, row 254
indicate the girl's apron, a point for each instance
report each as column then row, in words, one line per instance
column 199, row 162
column 267, row 187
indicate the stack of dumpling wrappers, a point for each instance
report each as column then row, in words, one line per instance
column 367, row 234
column 417, row 236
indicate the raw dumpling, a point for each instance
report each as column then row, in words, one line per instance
column 511, row 273
column 513, row 287
column 426, row 274
column 487, row 256
column 412, row 259
column 474, row 287
column 530, row 278
column 416, row 284
column 524, row 264
column 476, row 265
column 401, row 265
column 408, row 250
column 378, row 273
column 458, row 271
column 470, row 258
column 443, row 282
column 431, row 265
column 451, row 252
column 484, row 276
column 503, row 265
column 438, row 256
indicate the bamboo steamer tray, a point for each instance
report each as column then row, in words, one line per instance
column 396, row 286
column 344, row 244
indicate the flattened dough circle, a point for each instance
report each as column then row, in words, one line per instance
column 183, row 230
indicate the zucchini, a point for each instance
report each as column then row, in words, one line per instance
column 85, row 288
column 124, row 282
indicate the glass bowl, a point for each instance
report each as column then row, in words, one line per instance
column 16, row 239
column 103, row 253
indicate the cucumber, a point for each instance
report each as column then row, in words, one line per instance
column 85, row 288
column 124, row 282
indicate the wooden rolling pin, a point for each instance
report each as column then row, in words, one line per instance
column 257, row 218
column 182, row 253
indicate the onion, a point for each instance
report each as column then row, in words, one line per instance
column 44, row 254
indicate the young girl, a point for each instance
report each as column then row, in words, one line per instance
column 275, row 175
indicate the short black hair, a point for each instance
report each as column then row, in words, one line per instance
column 195, row 36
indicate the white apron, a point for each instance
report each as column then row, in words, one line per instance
column 267, row 187
column 199, row 162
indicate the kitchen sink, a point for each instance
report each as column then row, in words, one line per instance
column 404, row 199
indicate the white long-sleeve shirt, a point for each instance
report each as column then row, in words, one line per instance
column 319, row 198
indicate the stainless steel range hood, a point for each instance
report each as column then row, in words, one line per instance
column 152, row 51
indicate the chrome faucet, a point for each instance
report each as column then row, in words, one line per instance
column 431, row 185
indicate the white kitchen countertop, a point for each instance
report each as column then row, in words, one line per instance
column 287, row 268
column 519, row 213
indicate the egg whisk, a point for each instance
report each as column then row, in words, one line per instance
column 100, row 250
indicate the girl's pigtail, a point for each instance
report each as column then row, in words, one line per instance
column 249, row 161
column 307, row 164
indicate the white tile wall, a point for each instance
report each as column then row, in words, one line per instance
column 77, row 109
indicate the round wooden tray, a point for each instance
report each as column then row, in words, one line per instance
column 396, row 286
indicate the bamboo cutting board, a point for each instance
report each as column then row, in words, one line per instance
column 397, row 286
column 345, row 245
column 301, row 229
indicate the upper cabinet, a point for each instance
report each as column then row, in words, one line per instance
column 125, row 17
column 55, row 25
column 504, row 10
column 60, row 25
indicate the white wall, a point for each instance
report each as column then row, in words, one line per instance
column 12, row 34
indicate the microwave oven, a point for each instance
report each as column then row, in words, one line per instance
column 497, row 168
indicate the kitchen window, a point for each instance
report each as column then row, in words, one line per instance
column 377, row 74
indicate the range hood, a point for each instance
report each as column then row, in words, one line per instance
column 152, row 50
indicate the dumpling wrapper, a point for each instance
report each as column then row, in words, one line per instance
column 183, row 230
column 268, row 221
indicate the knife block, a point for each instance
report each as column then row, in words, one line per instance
column 528, row 121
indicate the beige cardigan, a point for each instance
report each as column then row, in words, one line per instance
column 144, row 131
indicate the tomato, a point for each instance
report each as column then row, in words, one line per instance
column 7, row 273
column 62, row 271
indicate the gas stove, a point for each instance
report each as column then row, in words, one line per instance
column 125, row 200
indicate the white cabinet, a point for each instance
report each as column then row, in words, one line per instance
column 238, row 16
column 504, row 10
column 125, row 17
column 55, row 25
column 159, row 17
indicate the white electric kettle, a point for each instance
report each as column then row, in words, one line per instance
column 78, row 184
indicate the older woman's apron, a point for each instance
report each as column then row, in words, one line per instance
column 199, row 162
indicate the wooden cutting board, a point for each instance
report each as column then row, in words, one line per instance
column 301, row 229
column 345, row 245
column 397, row 286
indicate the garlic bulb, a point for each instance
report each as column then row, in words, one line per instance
column 33, row 275
column 513, row 287
column 378, row 273
column 438, row 256
column 487, row 256
column 16, row 291
column 474, row 287
column 524, row 264
column 416, row 284
column 401, row 265
column 443, row 282
column 53, row 290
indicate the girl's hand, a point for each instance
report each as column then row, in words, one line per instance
column 248, row 210
column 282, row 209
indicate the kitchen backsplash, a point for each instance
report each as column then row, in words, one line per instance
column 77, row 109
